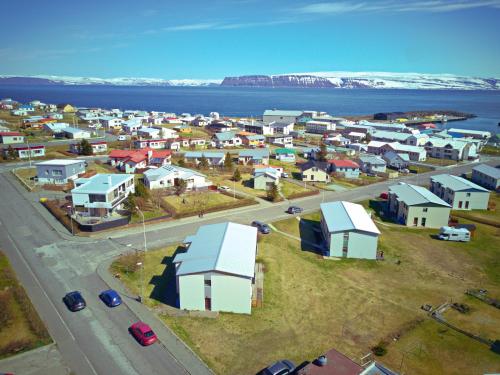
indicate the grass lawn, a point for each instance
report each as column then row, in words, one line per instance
column 483, row 214
column 195, row 202
column 148, row 215
column 442, row 162
column 419, row 168
column 26, row 174
column 491, row 150
column 288, row 188
column 245, row 185
column 21, row 328
column 100, row 167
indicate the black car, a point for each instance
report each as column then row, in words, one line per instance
column 262, row 227
column 74, row 301
column 283, row 367
column 294, row 210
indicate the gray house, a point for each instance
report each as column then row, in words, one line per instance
column 486, row 176
column 416, row 206
column 462, row 194
column 348, row 230
column 396, row 161
column 372, row 164
column 59, row 171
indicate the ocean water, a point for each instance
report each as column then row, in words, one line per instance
column 240, row 101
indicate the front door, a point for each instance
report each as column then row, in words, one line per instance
column 208, row 304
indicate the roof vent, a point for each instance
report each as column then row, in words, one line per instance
column 322, row 360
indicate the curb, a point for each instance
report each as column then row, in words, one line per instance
column 199, row 368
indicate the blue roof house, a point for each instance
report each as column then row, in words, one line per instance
column 348, row 230
column 255, row 156
column 217, row 270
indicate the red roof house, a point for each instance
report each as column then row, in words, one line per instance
column 130, row 160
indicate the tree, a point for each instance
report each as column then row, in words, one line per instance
column 203, row 162
column 321, row 154
column 181, row 163
column 85, row 148
column 12, row 154
column 368, row 137
column 129, row 204
column 273, row 193
column 180, row 186
column 141, row 190
column 157, row 197
column 228, row 162
column 236, row 175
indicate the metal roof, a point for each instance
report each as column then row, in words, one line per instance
column 277, row 112
column 488, row 170
column 225, row 136
column 166, row 170
column 224, row 247
column 61, row 162
column 391, row 135
column 199, row 154
column 456, row 183
column 372, row 159
column 100, row 183
column 269, row 171
column 72, row 130
column 255, row 153
column 414, row 195
column 341, row 216
column 467, row 131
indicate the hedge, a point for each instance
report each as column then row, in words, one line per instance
column 61, row 215
column 303, row 194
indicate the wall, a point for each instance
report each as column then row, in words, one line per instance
column 436, row 216
column 362, row 245
column 192, row 292
column 336, row 244
column 477, row 200
column 231, row 294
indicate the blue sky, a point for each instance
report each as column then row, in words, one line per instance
column 217, row 38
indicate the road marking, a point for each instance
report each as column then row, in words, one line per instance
column 21, row 255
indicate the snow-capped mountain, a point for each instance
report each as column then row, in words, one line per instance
column 119, row 81
column 346, row 80
column 376, row 80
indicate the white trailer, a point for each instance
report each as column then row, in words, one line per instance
column 454, row 234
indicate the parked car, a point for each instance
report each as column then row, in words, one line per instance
column 122, row 137
column 285, row 175
column 224, row 188
column 384, row 195
column 283, row 367
column 261, row 227
column 111, row 298
column 143, row 333
column 294, row 210
column 74, row 301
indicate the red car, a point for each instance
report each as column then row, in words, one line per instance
column 384, row 195
column 143, row 333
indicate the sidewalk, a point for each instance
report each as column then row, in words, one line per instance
column 41, row 361
column 173, row 344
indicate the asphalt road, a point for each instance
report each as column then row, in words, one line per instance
column 96, row 340
column 92, row 341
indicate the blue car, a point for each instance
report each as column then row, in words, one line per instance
column 111, row 298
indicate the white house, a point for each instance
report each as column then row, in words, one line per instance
column 74, row 133
column 151, row 133
column 25, row 151
column 226, row 139
column 452, row 149
column 111, row 122
column 271, row 115
column 348, row 230
column 97, row 147
column 319, row 127
column 460, row 193
column 217, row 270
column 168, row 175
column 101, row 194
column 131, row 126
column 213, row 158
column 167, row 133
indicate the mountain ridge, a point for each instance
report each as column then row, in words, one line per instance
column 333, row 80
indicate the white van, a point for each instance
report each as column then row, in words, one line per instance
column 454, row 234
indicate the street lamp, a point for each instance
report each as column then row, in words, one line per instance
column 71, row 219
column 145, row 250
column 141, row 297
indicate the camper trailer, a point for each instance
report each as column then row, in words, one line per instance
column 454, row 234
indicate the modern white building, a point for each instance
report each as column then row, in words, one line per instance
column 217, row 270
column 452, row 149
column 460, row 193
column 348, row 230
column 320, row 127
column 74, row 133
column 101, row 194
column 271, row 115
column 168, row 175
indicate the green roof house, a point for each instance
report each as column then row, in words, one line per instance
column 285, row 154
column 460, row 193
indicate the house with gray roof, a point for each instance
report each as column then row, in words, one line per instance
column 213, row 158
column 226, row 139
column 452, row 149
column 487, row 176
column 413, row 205
column 372, row 164
column 271, row 115
column 167, row 177
column 315, row 171
column 396, row 161
column 265, row 178
column 254, row 156
column 217, row 270
column 59, row 171
column 460, row 193
column 75, row 133
column 388, row 136
column 348, row 230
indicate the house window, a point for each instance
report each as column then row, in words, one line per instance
column 466, row 204
column 57, row 172
column 208, row 282
column 423, row 221
column 468, row 194
column 460, row 204
column 425, row 209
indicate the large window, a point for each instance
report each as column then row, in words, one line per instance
column 97, row 198
column 57, row 172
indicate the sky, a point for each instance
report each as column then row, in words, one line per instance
column 211, row 39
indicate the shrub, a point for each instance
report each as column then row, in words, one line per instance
column 15, row 346
column 35, row 323
column 380, row 349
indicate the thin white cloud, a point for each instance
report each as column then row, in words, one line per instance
column 338, row 7
column 191, row 27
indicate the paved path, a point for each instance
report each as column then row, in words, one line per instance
column 41, row 361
